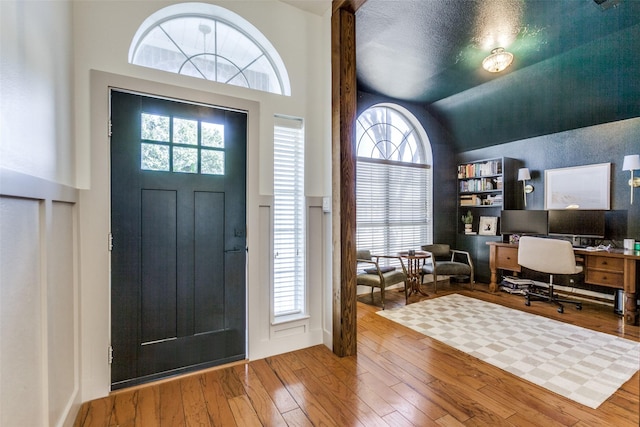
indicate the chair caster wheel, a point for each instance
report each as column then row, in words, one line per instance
column 579, row 306
column 561, row 310
column 527, row 303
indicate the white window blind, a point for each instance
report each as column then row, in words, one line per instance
column 393, row 203
column 289, row 218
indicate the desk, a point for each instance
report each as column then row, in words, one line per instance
column 414, row 270
column 615, row 268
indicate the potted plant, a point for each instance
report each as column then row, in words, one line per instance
column 467, row 220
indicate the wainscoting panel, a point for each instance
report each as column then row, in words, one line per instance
column 39, row 312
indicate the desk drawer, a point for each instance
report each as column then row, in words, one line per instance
column 605, row 263
column 606, row 278
column 507, row 259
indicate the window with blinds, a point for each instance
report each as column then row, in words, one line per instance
column 392, row 206
column 288, row 218
column 393, row 182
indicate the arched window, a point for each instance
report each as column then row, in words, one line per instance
column 209, row 42
column 393, row 181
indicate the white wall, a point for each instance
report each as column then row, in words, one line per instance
column 39, row 325
column 58, row 57
column 37, row 89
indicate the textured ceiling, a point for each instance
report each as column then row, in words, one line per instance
column 576, row 63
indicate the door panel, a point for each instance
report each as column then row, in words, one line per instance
column 158, row 263
column 178, row 225
column 209, row 266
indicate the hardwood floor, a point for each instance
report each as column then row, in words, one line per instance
column 398, row 378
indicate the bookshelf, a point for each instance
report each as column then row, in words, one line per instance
column 485, row 187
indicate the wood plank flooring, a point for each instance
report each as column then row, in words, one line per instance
column 398, row 378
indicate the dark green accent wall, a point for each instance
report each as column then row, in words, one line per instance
column 606, row 143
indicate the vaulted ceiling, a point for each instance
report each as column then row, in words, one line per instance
column 577, row 63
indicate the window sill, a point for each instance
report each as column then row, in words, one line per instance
column 289, row 319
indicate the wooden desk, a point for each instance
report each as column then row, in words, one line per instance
column 615, row 268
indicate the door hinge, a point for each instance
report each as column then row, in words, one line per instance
column 110, row 243
column 109, row 132
column 110, row 355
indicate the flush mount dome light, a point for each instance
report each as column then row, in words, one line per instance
column 498, row 60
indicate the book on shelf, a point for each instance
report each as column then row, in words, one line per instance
column 469, row 200
column 477, row 169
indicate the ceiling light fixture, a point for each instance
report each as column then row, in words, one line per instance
column 498, row 60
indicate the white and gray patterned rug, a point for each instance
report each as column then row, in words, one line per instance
column 583, row 365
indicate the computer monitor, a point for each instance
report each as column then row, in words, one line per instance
column 577, row 223
column 531, row 222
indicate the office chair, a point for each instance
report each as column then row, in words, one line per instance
column 550, row 256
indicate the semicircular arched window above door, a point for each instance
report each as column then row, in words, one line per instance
column 212, row 43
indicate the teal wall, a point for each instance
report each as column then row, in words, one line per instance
column 606, row 143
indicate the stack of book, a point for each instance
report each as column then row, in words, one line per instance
column 469, row 200
column 515, row 285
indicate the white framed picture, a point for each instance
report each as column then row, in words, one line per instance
column 580, row 187
column 488, row 225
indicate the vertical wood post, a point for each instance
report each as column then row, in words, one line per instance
column 344, row 98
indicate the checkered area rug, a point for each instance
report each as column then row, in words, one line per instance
column 577, row 363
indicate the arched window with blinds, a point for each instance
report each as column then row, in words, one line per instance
column 393, row 181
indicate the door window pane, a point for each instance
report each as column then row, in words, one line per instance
column 212, row 135
column 212, row 162
column 185, row 131
column 154, row 127
column 185, row 160
column 155, row 157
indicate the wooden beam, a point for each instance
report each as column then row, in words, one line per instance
column 344, row 100
column 348, row 5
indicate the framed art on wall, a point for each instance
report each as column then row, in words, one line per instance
column 580, row 187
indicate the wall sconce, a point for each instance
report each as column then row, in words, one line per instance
column 631, row 163
column 498, row 60
column 524, row 175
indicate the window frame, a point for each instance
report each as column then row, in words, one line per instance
column 396, row 193
column 293, row 197
column 215, row 14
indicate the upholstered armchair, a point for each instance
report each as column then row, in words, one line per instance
column 445, row 261
column 371, row 273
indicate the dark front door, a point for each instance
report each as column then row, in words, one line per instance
column 178, row 237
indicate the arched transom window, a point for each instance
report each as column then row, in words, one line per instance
column 209, row 42
column 393, row 181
